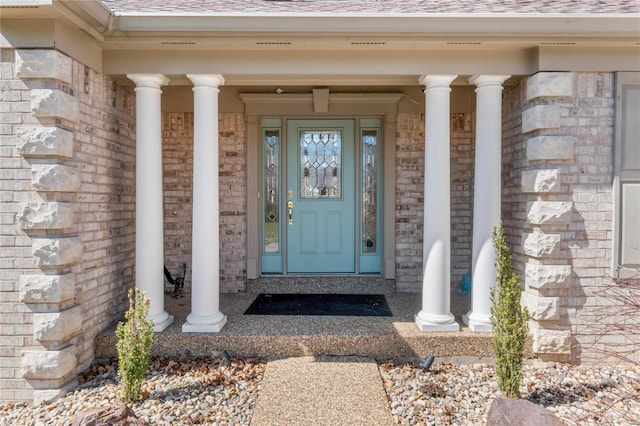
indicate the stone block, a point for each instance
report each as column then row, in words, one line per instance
column 39, row 215
column 55, row 178
column 45, row 142
column 116, row 415
column 50, row 64
column 45, row 396
column 57, row 251
column 549, row 148
column 541, row 117
column 540, row 245
column 506, row 411
column 48, row 365
column 541, row 308
column 55, row 328
column 552, row 342
column 54, row 103
column 47, row 288
column 550, row 212
column 543, row 277
column 541, row 181
column 550, row 84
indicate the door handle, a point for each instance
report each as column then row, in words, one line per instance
column 290, row 207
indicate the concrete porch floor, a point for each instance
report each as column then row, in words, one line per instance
column 271, row 337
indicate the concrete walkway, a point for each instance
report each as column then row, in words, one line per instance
column 322, row 391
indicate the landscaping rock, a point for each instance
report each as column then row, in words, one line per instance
column 512, row 412
column 114, row 415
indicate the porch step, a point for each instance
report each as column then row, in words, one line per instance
column 271, row 337
column 310, row 284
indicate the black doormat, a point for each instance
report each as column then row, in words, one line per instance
column 356, row 305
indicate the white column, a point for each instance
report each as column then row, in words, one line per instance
column 487, row 196
column 436, row 298
column 205, row 313
column 149, row 208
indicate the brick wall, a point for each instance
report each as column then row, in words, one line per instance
column 566, row 187
column 67, row 233
column 409, row 170
column 177, row 159
column 105, row 204
column 177, row 154
column 410, row 201
column 233, row 205
column 514, row 161
column 15, row 247
column 462, row 170
column 590, row 118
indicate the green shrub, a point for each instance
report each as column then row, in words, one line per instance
column 135, row 337
column 508, row 318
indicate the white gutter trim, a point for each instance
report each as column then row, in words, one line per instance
column 97, row 10
column 446, row 24
column 25, row 3
column 94, row 9
column 338, row 14
column 449, row 24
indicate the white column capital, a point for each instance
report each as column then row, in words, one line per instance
column 434, row 81
column 488, row 80
column 207, row 80
column 152, row 81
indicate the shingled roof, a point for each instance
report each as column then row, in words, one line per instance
column 347, row 7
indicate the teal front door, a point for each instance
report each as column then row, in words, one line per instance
column 320, row 196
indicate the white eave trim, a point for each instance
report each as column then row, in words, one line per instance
column 25, row 3
column 578, row 25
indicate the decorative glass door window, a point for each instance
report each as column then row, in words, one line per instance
column 320, row 164
column 271, row 167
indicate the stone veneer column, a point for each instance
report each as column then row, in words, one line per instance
column 548, row 269
column 47, row 145
column 436, row 297
column 205, row 313
column 487, row 196
column 149, row 207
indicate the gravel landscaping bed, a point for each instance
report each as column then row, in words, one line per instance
column 461, row 394
column 185, row 391
column 179, row 391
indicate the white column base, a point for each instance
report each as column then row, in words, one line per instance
column 430, row 322
column 208, row 324
column 161, row 321
column 478, row 323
